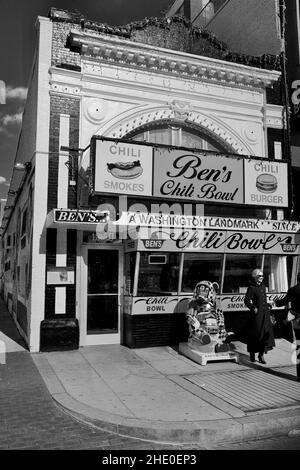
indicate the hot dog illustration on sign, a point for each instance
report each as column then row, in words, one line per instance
column 125, row 170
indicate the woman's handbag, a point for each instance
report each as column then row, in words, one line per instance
column 290, row 316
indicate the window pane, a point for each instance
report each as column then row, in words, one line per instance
column 238, row 270
column 160, row 136
column 102, row 271
column 191, row 140
column 176, row 135
column 275, row 272
column 199, row 267
column 102, row 314
column 161, row 278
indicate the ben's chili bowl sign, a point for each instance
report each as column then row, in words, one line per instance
column 177, row 304
column 123, row 168
column 236, row 302
column 224, row 241
column 159, row 304
column 266, row 183
column 181, row 174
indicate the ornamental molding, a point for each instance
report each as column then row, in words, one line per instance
column 95, row 110
column 181, row 109
column 115, row 50
column 127, row 124
column 274, row 116
column 65, row 89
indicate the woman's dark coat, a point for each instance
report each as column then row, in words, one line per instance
column 260, row 337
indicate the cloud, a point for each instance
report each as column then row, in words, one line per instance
column 17, row 93
column 4, row 181
column 12, row 119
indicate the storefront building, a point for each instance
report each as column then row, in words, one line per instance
column 152, row 157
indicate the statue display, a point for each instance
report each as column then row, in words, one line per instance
column 208, row 339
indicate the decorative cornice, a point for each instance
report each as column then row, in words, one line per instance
column 121, row 52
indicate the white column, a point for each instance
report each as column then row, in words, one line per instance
column 37, row 302
column 63, row 159
column 60, row 300
column 62, row 202
column 278, row 156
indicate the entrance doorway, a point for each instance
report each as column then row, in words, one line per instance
column 101, row 299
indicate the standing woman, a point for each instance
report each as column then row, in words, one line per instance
column 260, row 332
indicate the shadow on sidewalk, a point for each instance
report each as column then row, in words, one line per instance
column 244, row 359
column 8, row 327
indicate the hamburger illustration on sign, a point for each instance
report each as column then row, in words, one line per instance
column 266, row 182
column 126, row 170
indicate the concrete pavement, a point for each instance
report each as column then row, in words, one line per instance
column 158, row 394
column 154, row 394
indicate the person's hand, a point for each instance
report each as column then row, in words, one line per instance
column 255, row 310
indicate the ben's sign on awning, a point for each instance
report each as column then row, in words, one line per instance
column 76, row 219
column 165, row 172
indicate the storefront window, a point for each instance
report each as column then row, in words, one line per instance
column 130, row 259
column 275, row 272
column 158, row 273
column 199, row 267
column 238, row 270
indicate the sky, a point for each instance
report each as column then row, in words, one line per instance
column 18, row 35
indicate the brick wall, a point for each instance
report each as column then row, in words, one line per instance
column 61, row 55
column 50, row 262
column 175, row 34
column 62, row 105
column 71, row 263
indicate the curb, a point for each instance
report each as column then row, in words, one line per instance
column 266, row 424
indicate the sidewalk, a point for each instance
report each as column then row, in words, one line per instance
column 158, row 395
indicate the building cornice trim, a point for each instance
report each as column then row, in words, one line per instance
column 142, row 56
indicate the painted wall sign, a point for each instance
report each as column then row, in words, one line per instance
column 123, row 168
column 178, row 304
column 266, row 183
column 181, row 174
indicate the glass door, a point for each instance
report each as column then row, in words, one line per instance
column 102, row 307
